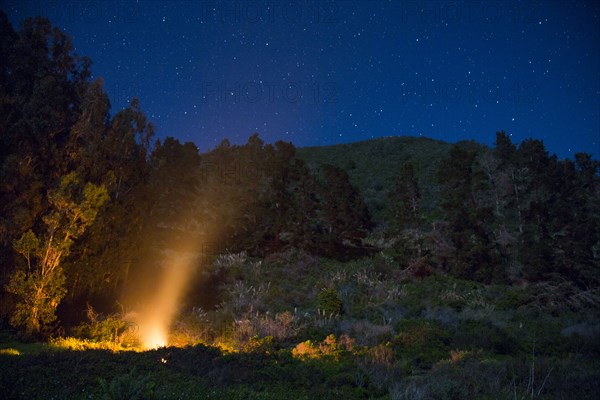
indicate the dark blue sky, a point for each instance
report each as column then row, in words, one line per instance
column 325, row 72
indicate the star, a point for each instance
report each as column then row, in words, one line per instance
column 374, row 63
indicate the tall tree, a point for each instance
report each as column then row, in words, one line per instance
column 535, row 165
column 469, row 218
column 345, row 216
column 40, row 283
column 42, row 82
column 114, row 153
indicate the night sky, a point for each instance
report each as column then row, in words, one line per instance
column 326, row 72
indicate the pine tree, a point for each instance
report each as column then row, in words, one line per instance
column 345, row 214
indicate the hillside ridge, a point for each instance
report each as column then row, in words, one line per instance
column 374, row 164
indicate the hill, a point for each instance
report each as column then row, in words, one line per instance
column 373, row 165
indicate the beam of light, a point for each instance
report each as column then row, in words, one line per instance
column 161, row 308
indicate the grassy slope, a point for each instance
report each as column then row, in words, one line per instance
column 374, row 164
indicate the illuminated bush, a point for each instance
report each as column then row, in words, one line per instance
column 306, row 350
column 10, row 352
column 75, row 344
column 330, row 347
column 112, row 328
column 265, row 345
column 191, row 328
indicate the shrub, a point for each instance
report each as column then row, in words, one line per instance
column 243, row 298
column 191, row 328
column 329, row 301
column 230, row 260
column 305, row 350
column 482, row 335
column 10, row 352
column 112, row 328
column 379, row 365
column 75, row 344
column 281, row 327
column 365, row 332
column 421, row 343
column 266, row 345
column 330, row 347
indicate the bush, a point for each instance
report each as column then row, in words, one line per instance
column 75, row 344
column 330, row 348
column 365, row 332
column 266, row 345
column 421, row 343
column 379, row 366
column 475, row 335
column 329, row 301
column 191, row 328
column 282, row 327
column 112, row 328
column 10, row 352
column 304, row 350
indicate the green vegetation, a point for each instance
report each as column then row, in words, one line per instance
column 448, row 338
column 397, row 268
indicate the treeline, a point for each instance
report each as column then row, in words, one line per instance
column 506, row 214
